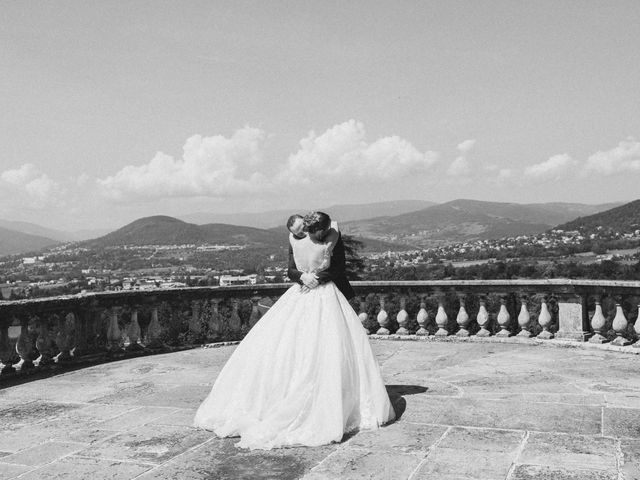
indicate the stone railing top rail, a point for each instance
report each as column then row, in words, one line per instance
column 557, row 286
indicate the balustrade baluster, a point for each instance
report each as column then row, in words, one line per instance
column 255, row 312
column 7, row 353
column 422, row 318
column 114, row 334
column 214, row 320
column 44, row 343
column 363, row 315
column 133, row 332
column 63, row 339
column 194, row 322
column 82, row 320
column 441, row 320
column 620, row 326
column 636, row 328
column 383, row 318
column 92, row 317
column 154, row 331
column 544, row 319
column 503, row 319
column 403, row 318
column 235, row 322
column 483, row 320
column 24, row 345
column 524, row 319
column 598, row 322
column 462, row 320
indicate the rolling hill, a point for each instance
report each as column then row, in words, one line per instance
column 464, row 220
column 164, row 230
column 13, row 242
column 623, row 219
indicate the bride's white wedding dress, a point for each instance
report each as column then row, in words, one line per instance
column 304, row 375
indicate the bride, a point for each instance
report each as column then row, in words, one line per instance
column 305, row 374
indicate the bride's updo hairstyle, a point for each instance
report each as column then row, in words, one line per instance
column 315, row 221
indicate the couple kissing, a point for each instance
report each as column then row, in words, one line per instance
column 317, row 227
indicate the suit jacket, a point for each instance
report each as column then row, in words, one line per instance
column 336, row 272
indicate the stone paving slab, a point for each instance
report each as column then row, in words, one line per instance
column 594, row 399
column 466, row 410
column 11, row 471
column 128, row 393
column 57, row 389
column 153, row 444
column 624, row 400
column 182, row 396
column 622, row 422
column 505, row 414
column 86, row 468
column 16, row 440
column 221, row 460
column 399, row 437
column 182, row 417
column 34, row 412
column 536, row 472
column 570, row 451
column 454, row 463
column 630, row 450
column 135, row 418
column 42, row 454
column 472, row 453
column 360, row 464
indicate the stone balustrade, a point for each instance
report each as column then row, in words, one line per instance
column 38, row 333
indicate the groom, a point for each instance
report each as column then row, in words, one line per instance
column 317, row 225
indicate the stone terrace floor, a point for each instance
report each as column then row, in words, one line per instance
column 467, row 411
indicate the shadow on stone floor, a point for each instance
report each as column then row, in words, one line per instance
column 396, row 395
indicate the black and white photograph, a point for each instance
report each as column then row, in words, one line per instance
column 319, row 240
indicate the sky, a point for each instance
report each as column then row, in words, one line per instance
column 115, row 110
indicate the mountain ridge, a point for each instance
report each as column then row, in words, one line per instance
column 13, row 242
column 623, row 219
column 166, row 230
column 464, row 220
column 342, row 212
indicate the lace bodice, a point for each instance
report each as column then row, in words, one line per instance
column 310, row 257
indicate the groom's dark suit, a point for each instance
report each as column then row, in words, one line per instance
column 336, row 271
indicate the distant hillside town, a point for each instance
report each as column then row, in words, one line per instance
column 163, row 252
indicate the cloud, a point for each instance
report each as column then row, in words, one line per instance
column 33, row 186
column 554, row 168
column 338, row 162
column 623, row 158
column 505, row 173
column 341, row 155
column 22, row 175
column 466, row 146
column 460, row 167
column 82, row 180
column 210, row 166
column 42, row 188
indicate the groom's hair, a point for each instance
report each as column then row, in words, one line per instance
column 315, row 221
column 292, row 220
